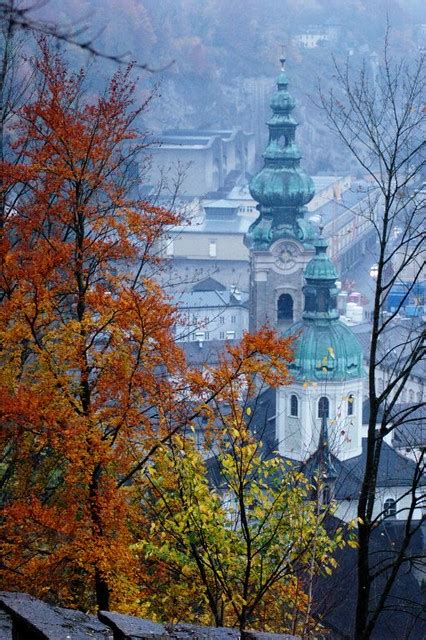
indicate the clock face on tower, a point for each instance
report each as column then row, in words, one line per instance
column 286, row 256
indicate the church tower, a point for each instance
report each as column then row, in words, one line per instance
column 327, row 373
column 280, row 240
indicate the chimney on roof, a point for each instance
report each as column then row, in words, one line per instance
column 199, row 336
column 236, row 293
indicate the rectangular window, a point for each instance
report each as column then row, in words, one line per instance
column 222, row 335
column 170, row 247
column 233, row 319
column 207, row 335
column 222, row 320
column 212, row 249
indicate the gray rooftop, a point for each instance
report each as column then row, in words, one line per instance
column 237, row 225
column 334, row 209
column 208, row 299
column 412, row 431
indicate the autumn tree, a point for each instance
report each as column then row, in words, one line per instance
column 233, row 533
column 81, row 341
column 92, row 382
column 380, row 119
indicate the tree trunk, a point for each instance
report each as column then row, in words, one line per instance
column 363, row 595
column 102, row 591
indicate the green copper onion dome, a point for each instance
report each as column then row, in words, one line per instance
column 281, row 188
column 320, row 268
column 325, row 348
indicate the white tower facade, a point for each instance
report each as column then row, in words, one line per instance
column 327, row 372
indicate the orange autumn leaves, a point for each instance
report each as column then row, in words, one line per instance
column 91, row 378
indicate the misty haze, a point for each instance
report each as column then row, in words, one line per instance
column 212, row 319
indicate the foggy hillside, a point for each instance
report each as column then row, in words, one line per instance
column 217, row 59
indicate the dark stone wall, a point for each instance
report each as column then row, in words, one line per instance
column 23, row 617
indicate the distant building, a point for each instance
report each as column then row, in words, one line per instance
column 211, row 312
column 201, row 159
column 318, row 35
column 211, row 243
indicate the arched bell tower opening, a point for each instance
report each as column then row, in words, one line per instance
column 285, row 310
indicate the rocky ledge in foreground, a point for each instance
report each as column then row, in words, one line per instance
column 23, row 617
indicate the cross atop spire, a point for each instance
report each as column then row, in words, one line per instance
column 282, row 58
column 321, row 225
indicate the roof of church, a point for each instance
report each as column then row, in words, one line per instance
column 394, row 471
column 209, row 284
column 412, row 430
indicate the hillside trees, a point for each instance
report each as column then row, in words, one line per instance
column 19, row 17
column 15, row 85
column 92, row 382
column 381, row 121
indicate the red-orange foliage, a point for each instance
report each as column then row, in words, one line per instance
column 92, row 380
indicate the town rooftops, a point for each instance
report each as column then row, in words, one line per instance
column 349, row 199
column 412, row 431
column 195, row 138
column 208, row 299
column 224, row 134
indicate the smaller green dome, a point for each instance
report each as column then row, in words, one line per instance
column 320, row 268
column 325, row 348
column 328, row 351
